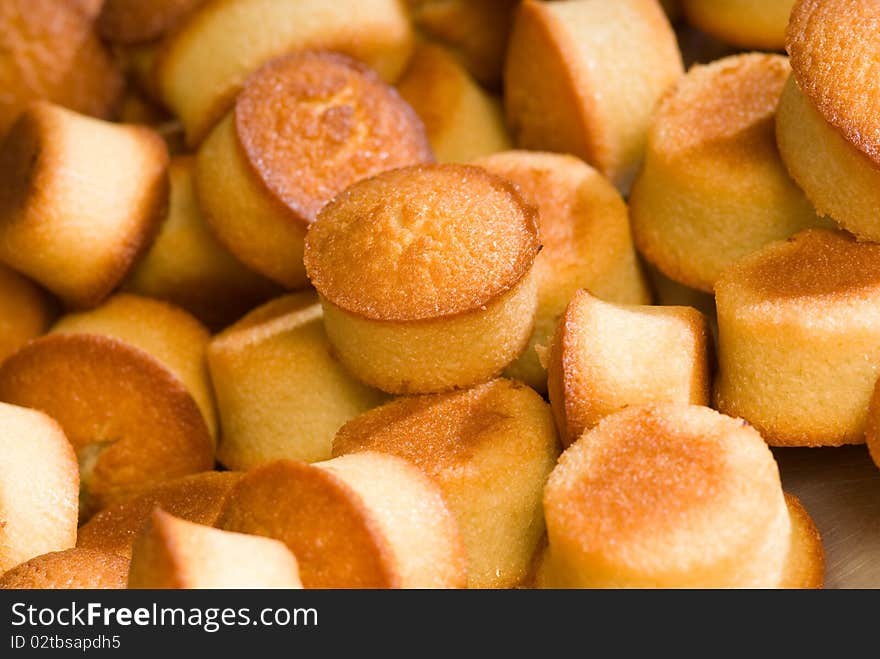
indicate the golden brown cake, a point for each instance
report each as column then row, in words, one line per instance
column 39, row 483
column 129, row 385
column 304, row 128
column 841, row 181
column 583, row 77
column 133, row 22
column 280, row 392
column 462, row 120
column 170, row 552
column 203, row 65
column 48, row 50
column 80, row 199
column 490, row 450
column 606, row 357
column 367, row 520
column 26, row 311
column 714, row 187
column 585, row 238
column 186, row 265
column 69, row 569
column 675, row 496
column 799, row 339
column 749, row 24
column 197, row 498
column 829, row 118
column 425, row 275
column 476, row 31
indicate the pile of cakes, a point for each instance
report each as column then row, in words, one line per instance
column 386, row 294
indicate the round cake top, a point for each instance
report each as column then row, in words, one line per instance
column 197, row 498
column 578, row 209
column 131, row 22
column 725, row 109
column 835, row 55
column 312, row 123
column 69, row 569
column 443, row 431
column 817, row 268
column 421, row 242
column 664, row 491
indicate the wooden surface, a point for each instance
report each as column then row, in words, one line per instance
column 840, row 487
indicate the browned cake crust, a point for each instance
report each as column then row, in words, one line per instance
column 440, row 240
column 714, row 187
column 312, row 123
column 676, row 495
column 589, row 369
column 197, row 498
column 69, row 569
column 835, row 55
column 798, row 338
column 130, row 22
column 320, row 518
column 48, row 50
column 817, row 267
column 437, row 432
column 490, row 449
column 38, row 161
column 726, row 107
column 568, row 89
column 131, row 421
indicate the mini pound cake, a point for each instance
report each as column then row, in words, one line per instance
column 490, row 449
column 280, row 392
column 675, row 496
column 80, row 200
column 187, row 267
column 196, row 498
column 26, row 311
column 201, row 66
column 304, row 127
column 799, row 338
column 828, row 125
column 462, row 121
column 173, row 553
column 583, row 77
column 129, row 386
column 585, row 238
column 606, row 357
column 476, row 31
column 749, row 24
column 425, row 276
column 713, row 187
column 49, row 50
column 69, row 569
column 367, row 520
column 39, row 484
